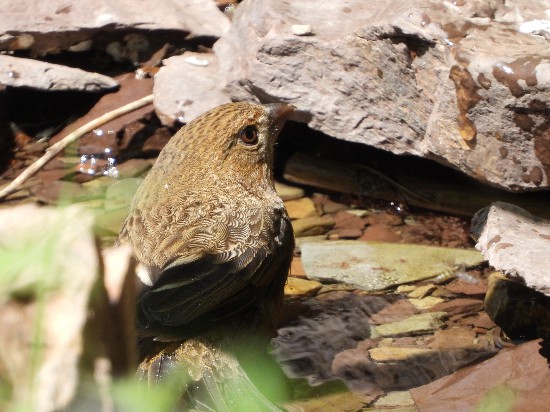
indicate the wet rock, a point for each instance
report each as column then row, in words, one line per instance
column 432, row 187
column 346, row 234
column 442, row 292
column 397, row 311
column 399, row 368
column 153, row 143
column 359, row 212
column 460, row 306
column 422, row 291
column 296, row 268
column 57, row 26
column 386, row 219
column 306, row 347
column 425, row 303
column 459, row 82
column 108, row 141
column 375, row 266
column 18, row 72
column 131, row 89
column 330, row 206
column 301, row 287
column 347, row 220
column 389, row 354
column 396, row 399
column 521, row 312
column 301, row 208
column 470, row 285
column 453, row 339
column 516, row 242
column 287, row 192
column 312, row 226
column 414, row 325
column 479, row 321
column 405, row 289
column 379, row 233
column 448, row 231
column 331, row 398
column 515, row 379
column 348, row 225
column 382, row 228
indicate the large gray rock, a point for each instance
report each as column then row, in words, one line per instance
column 184, row 88
column 457, row 82
column 46, row 26
column 17, row 72
column 515, row 242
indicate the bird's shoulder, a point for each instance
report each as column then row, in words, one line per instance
column 167, row 232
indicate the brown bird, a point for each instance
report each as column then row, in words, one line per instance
column 214, row 245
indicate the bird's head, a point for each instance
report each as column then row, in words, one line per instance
column 235, row 140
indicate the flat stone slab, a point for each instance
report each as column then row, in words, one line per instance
column 388, row 354
column 515, row 242
column 414, row 325
column 376, row 266
column 18, row 72
column 515, row 379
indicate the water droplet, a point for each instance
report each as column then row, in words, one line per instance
column 99, row 165
column 12, row 74
column 505, row 68
column 98, row 132
column 229, row 10
column 468, row 278
column 112, row 172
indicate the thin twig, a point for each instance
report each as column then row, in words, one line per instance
column 70, row 138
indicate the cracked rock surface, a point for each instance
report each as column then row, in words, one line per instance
column 463, row 83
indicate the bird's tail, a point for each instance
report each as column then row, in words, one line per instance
column 206, row 377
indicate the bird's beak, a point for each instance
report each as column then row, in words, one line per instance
column 280, row 112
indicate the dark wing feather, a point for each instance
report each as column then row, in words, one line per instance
column 194, row 297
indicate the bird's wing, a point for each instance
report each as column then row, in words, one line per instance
column 198, row 294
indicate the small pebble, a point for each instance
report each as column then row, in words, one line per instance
column 301, row 30
column 195, row 61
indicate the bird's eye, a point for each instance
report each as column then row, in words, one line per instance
column 249, row 135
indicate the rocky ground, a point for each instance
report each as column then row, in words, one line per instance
column 385, row 297
column 389, row 306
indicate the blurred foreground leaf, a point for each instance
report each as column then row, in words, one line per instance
column 48, row 266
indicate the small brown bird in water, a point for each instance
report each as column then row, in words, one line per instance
column 214, row 243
